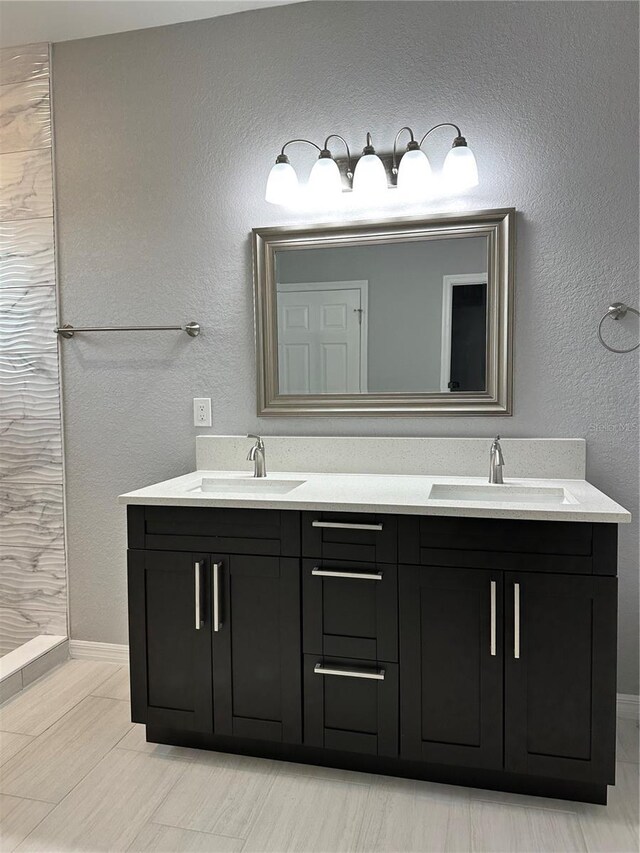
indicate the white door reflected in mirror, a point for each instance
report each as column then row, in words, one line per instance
column 404, row 317
column 322, row 340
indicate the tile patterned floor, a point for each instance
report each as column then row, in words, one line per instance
column 76, row 775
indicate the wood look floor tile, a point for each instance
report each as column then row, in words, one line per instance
column 136, row 739
column 17, row 818
column 407, row 815
column 116, row 686
column 107, row 810
column 156, row 838
column 331, row 774
column 627, row 747
column 305, row 814
column 614, row 827
column 500, row 828
column 53, row 763
column 40, row 704
column 506, row 798
column 10, row 744
column 219, row 793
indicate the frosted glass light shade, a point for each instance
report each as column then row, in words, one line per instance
column 325, row 181
column 369, row 177
column 460, row 171
column 282, row 184
column 414, row 173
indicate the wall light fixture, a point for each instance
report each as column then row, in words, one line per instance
column 412, row 175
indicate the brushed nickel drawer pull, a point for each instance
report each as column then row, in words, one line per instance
column 516, row 620
column 343, row 525
column 198, row 595
column 493, row 619
column 375, row 675
column 331, row 573
column 217, row 624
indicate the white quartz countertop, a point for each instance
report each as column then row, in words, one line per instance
column 556, row 500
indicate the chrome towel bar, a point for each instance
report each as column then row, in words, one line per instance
column 68, row 331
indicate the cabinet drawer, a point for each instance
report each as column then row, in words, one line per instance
column 486, row 543
column 367, row 537
column 351, row 705
column 267, row 532
column 499, row 534
column 350, row 609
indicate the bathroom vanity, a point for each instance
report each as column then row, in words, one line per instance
column 418, row 626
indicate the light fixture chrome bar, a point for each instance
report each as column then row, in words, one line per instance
column 343, row 525
column 361, row 576
column 68, row 331
column 374, row 675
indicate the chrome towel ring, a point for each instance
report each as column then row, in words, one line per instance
column 615, row 311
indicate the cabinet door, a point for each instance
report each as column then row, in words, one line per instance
column 170, row 640
column 451, row 660
column 560, row 675
column 350, row 609
column 256, row 648
column 351, row 705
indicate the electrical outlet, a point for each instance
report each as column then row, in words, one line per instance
column 202, row 411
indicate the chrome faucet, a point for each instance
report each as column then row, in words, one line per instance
column 256, row 455
column 496, row 462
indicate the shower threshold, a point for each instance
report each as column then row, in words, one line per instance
column 21, row 666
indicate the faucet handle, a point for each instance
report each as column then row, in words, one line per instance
column 258, row 439
column 495, row 448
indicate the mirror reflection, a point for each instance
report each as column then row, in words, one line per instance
column 401, row 317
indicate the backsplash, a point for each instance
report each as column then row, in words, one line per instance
column 553, row 458
column 33, row 597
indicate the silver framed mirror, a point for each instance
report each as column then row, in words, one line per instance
column 400, row 317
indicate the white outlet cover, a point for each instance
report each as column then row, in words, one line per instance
column 202, row 411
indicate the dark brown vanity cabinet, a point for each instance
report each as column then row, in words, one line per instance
column 256, row 648
column 451, row 665
column 170, row 655
column 215, row 637
column 474, row 651
column 512, row 670
column 351, row 705
column 350, row 633
column 560, row 675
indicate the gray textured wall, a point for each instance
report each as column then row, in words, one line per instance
column 404, row 316
column 164, row 140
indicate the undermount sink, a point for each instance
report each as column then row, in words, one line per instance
column 248, row 485
column 499, row 492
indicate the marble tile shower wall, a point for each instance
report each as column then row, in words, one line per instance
column 33, row 597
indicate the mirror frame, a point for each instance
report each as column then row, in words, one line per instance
column 498, row 226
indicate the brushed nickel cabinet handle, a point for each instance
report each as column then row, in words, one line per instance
column 493, row 619
column 376, row 675
column 217, row 623
column 516, row 620
column 343, row 525
column 198, row 594
column 331, row 573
